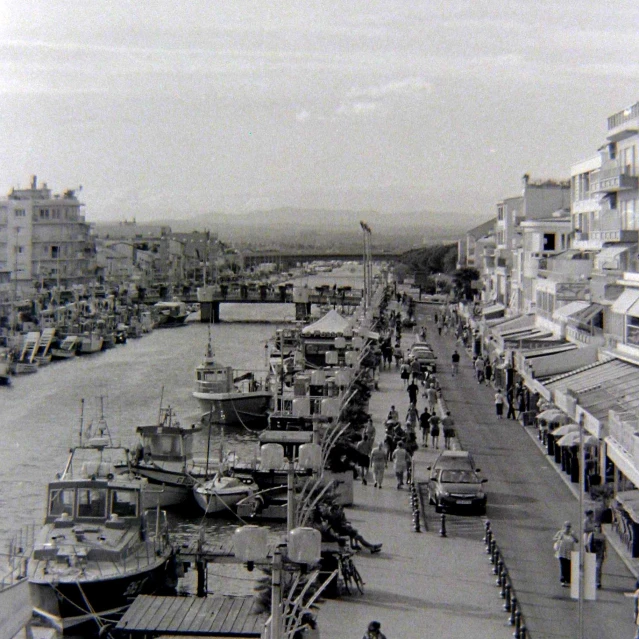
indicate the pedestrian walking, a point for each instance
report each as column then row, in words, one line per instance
column 454, row 362
column 393, row 415
column 390, row 441
column 374, row 631
column 434, row 430
column 448, row 427
column 521, row 405
column 401, row 459
column 479, row 369
column 378, row 463
column 413, row 392
column 499, row 404
column 488, row 372
column 404, row 373
column 510, row 400
column 398, row 355
column 424, row 425
column 564, row 544
column 364, row 448
column 412, row 417
column 431, row 398
column 596, row 543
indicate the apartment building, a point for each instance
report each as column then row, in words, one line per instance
column 44, row 238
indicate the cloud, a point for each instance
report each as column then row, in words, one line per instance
column 302, row 116
column 406, row 86
column 356, row 108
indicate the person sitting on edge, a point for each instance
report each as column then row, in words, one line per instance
column 340, row 525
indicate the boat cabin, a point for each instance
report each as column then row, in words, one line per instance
column 214, row 379
column 94, row 501
column 165, row 443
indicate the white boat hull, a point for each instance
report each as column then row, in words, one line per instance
column 234, row 408
column 214, row 497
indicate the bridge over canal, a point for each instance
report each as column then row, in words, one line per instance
column 212, row 297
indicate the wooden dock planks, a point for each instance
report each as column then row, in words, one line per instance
column 220, row 615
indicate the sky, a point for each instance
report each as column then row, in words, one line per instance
column 174, row 109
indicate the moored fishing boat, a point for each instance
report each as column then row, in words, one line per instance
column 67, row 348
column 164, row 457
column 229, row 396
column 170, row 314
column 98, row 548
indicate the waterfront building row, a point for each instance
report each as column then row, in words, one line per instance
column 559, row 300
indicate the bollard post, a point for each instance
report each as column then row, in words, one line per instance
column 496, row 560
column 523, row 632
column 517, row 633
column 486, row 530
column 416, row 523
column 493, row 546
column 489, row 539
column 504, row 580
column 507, row 603
column 500, row 573
column 513, row 611
column 442, row 530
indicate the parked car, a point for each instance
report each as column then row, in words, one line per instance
column 454, row 483
column 425, row 357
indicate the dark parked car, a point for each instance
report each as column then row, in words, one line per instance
column 454, row 483
column 425, row 357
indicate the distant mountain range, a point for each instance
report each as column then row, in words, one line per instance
column 292, row 221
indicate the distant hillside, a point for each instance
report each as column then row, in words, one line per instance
column 291, row 222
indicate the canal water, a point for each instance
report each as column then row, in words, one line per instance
column 40, row 414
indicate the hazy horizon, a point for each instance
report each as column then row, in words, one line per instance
column 164, row 111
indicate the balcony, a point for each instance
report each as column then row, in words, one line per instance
column 610, row 229
column 613, row 179
column 624, row 124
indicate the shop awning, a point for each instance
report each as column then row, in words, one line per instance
column 603, row 386
column 586, row 316
column 493, row 309
column 625, row 301
column 518, row 323
column 622, row 460
column 564, row 312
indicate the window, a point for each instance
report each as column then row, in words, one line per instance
column 632, row 330
column 92, row 502
column 55, row 252
column 124, row 503
column 20, row 213
column 61, row 502
column 549, row 242
column 612, row 150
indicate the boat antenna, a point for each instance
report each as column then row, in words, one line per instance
column 209, row 348
column 208, row 444
column 81, row 419
column 161, row 400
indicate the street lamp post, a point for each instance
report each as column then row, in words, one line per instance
column 302, row 549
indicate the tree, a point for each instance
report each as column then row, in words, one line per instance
column 463, row 279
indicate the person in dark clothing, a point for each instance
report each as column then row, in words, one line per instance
column 510, row 401
column 424, row 425
column 339, row 524
column 413, row 391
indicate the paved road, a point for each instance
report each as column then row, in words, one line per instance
column 528, row 502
